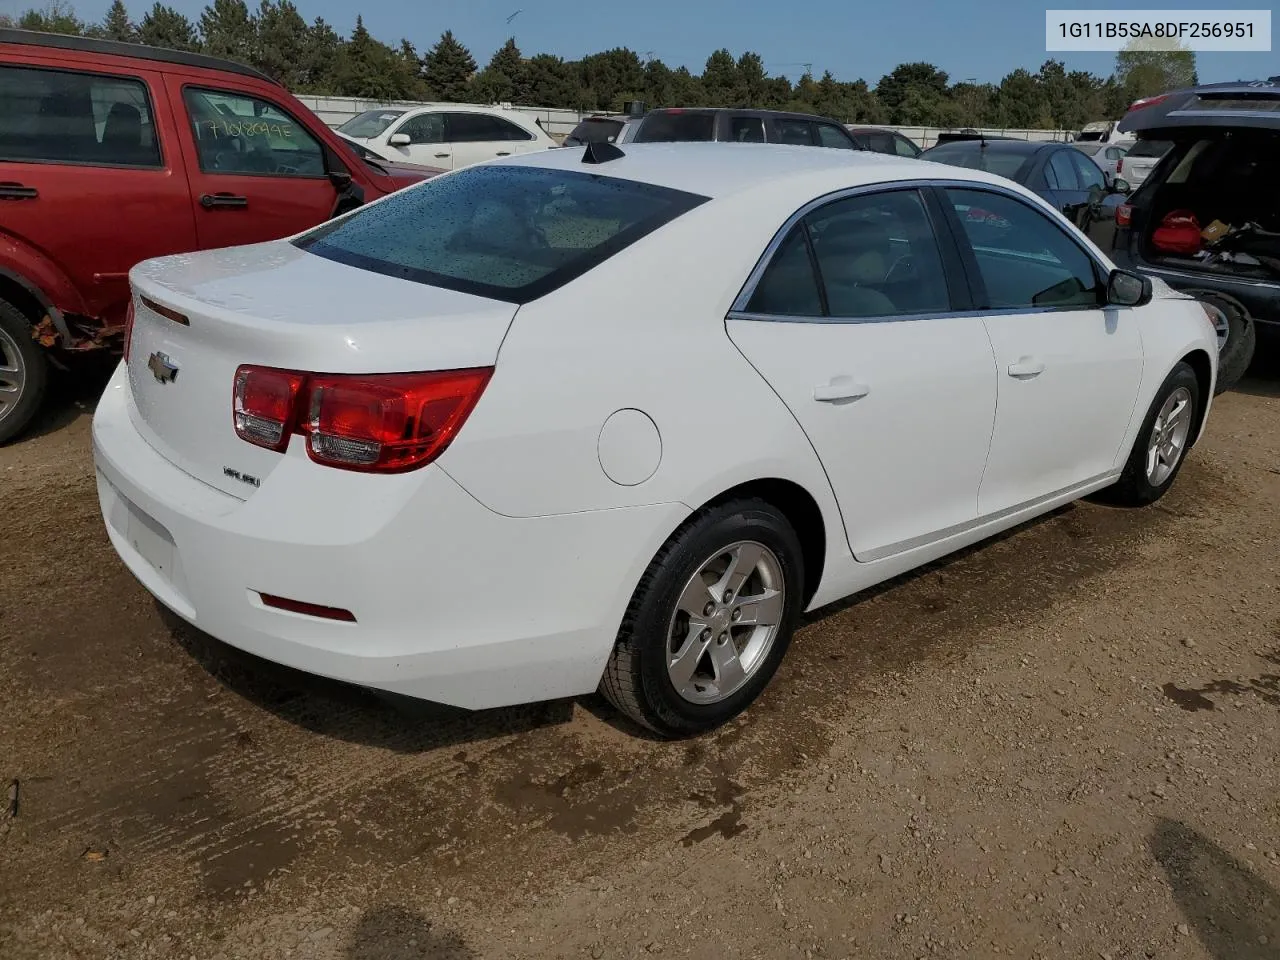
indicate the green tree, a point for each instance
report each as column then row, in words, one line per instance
column 504, row 79
column 56, row 17
column 1144, row 72
column 321, row 58
column 912, row 93
column 552, row 81
column 608, row 78
column 116, row 25
column 447, row 68
column 720, row 80
column 227, row 30
column 282, row 38
column 1018, row 103
column 163, row 26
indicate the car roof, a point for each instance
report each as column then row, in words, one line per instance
column 721, row 169
column 740, row 111
column 135, row 51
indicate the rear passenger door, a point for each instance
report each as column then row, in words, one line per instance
column 91, row 176
column 474, row 137
column 851, row 323
column 256, row 172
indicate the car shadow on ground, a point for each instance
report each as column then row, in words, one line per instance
column 1263, row 377
column 396, row 933
column 344, row 711
column 1233, row 911
column 72, row 393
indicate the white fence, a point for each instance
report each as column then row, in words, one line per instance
column 558, row 123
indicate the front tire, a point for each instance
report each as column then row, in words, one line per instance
column 710, row 620
column 24, row 373
column 1161, row 447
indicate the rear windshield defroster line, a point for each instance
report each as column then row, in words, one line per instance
column 507, row 233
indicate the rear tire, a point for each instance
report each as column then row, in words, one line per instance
column 1154, row 462
column 1236, row 354
column 24, row 373
column 734, row 567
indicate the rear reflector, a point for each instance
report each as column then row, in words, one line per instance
column 128, row 330
column 1124, row 214
column 309, row 609
column 383, row 423
column 166, row 312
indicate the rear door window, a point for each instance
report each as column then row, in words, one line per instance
column 746, row 129
column 56, row 116
column 829, row 135
column 666, row 126
column 236, row 133
column 798, row 132
column 505, row 232
column 904, row 147
column 1064, row 172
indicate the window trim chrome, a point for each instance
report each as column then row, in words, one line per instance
column 738, row 310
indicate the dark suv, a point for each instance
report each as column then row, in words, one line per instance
column 740, row 126
column 1206, row 220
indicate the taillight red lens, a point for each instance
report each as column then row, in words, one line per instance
column 383, row 423
column 1120, row 166
column 1124, row 214
column 390, row 422
column 128, row 330
column 263, row 405
column 1148, row 102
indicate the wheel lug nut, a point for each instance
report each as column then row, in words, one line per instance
column 709, row 609
column 728, row 596
column 705, row 635
column 724, row 638
column 737, row 614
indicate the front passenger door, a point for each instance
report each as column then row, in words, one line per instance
column 427, row 144
column 1068, row 365
column 851, row 325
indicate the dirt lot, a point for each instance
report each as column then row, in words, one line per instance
column 1062, row 744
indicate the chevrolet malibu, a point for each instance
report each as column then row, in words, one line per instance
column 425, row 448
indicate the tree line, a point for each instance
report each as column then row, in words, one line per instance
column 314, row 58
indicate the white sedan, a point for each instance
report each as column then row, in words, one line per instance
column 449, row 137
column 426, row 448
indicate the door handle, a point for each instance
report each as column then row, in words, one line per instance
column 504, row 153
column 442, row 155
column 9, row 190
column 838, row 389
column 212, row 200
column 1026, row 368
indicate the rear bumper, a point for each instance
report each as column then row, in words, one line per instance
column 453, row 603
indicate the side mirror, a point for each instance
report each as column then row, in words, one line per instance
column 399, row 140
column 1126, row 289
column 340, row 179
column 1120, row 185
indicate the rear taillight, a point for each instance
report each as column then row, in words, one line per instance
column 128, row 330
column 1124, row 214
column 264, row 401
column 1120, row 166
column 384, row 423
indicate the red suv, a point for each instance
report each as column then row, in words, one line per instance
column 111, row 153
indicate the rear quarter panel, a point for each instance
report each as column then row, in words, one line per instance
column 576, row 356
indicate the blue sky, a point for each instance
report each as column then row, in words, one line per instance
column 983, row 39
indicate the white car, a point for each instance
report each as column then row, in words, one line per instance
column 449, row 136
column 1142, row 159
column 425, row 447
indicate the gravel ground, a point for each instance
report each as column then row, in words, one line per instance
column 1060, row 744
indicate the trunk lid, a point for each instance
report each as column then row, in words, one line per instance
column 197, row 317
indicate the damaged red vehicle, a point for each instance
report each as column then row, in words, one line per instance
column 1206, row 220
column 113, row 153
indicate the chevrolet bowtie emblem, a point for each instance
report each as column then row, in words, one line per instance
column 162, row 368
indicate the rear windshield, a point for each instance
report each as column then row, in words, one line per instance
column 683, row 127
column 595, row 131
column 370, row 123
column 503, row 232
column 1089, row 148
column 1149, row 148
column 972, row 155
